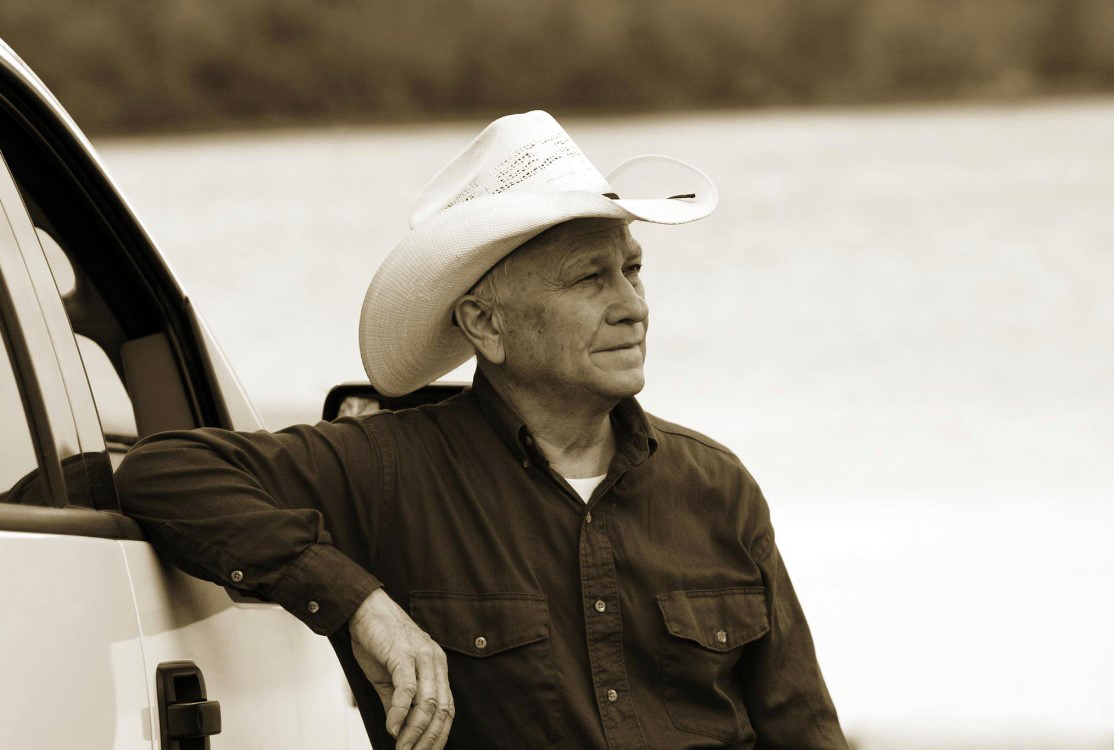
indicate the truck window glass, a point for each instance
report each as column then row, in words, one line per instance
column 114, row 406
column 18, row 465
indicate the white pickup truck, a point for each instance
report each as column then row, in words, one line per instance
column 103, row 645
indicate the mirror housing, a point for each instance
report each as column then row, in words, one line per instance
column 354, row 399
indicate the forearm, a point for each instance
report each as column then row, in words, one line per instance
column 250, row 511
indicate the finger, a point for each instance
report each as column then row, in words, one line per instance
column 448, row 724
column 405, row 685
column 386, row 693
column 425, row 704
column 439, row 728
column 437, row 733
column 444, row 738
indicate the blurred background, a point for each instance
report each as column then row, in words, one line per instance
column 900, row 316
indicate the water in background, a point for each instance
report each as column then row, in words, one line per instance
column 900, row 319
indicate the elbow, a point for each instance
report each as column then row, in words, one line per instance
column 149, row 473
column 135, row 473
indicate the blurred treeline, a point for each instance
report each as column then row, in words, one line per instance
column 130, row 65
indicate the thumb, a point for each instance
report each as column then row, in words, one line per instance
column 377, row 675
column 386, row 695
column 405, row 686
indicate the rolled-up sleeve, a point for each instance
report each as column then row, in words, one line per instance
column 292, row 516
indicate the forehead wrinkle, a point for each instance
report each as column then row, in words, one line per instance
column 588, row 247
column 613, row 234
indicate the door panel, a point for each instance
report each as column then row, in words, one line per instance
column 69, row 645
column 277, row 683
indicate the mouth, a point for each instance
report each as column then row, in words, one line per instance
column 623, row 347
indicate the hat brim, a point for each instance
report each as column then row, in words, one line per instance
column 406, row 334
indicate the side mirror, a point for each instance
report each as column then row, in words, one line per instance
column 354, row 399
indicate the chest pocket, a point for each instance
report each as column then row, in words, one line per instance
column 702, row 640
column 500, row 666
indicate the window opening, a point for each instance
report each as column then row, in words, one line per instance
column 122, row 334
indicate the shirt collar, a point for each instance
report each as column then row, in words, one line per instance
column 634, row 434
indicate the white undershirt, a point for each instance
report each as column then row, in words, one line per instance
column 585, row 487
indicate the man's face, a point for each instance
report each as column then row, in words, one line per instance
column 575, row 315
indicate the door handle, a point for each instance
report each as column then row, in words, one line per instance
column 186, row 717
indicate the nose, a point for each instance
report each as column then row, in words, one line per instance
column 629, row 305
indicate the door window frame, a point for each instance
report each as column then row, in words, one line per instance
column 33, row 362
column 44, row 390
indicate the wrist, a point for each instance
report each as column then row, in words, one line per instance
column 371, row 603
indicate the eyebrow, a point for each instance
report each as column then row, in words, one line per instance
column 576, row 263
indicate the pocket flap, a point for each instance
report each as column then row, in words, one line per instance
column 719, row 619
column 481, row 625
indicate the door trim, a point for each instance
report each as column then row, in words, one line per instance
column 71, row 521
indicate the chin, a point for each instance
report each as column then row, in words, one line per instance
column 621, row 385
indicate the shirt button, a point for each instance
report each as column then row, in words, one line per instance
column 481, row 642
column 313, row 608
column 526, row 463
column 601, row 605
column 237, row 576
column 721, row 636
column 528, row 440
column 588, row 517
column 612, row 696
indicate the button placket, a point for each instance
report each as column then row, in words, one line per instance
column 604, row 636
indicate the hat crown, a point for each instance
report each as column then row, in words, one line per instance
column 529, row 151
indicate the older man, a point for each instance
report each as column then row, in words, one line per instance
column 537, row 556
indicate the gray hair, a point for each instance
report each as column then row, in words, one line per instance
column 494, row 286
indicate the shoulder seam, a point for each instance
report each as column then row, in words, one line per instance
column 671, row 429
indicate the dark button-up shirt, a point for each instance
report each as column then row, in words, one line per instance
column 656, row 615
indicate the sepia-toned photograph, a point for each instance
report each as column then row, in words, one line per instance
column 334, row 418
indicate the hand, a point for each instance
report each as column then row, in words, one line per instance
column 408, row 671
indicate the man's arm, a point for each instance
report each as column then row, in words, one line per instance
column 290, row 517
column 786, row 697
column 785, row 694
column 254, row 511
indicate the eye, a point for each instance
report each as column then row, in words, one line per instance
column 633, row 269
column 588, row 279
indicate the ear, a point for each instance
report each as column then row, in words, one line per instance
column 479, row 322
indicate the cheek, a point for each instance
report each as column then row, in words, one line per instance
column 522, row 323
column 535, row 338
column 554, row 336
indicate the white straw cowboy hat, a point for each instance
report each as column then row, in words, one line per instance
column 519, row 177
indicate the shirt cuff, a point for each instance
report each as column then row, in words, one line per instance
column 324, row 588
